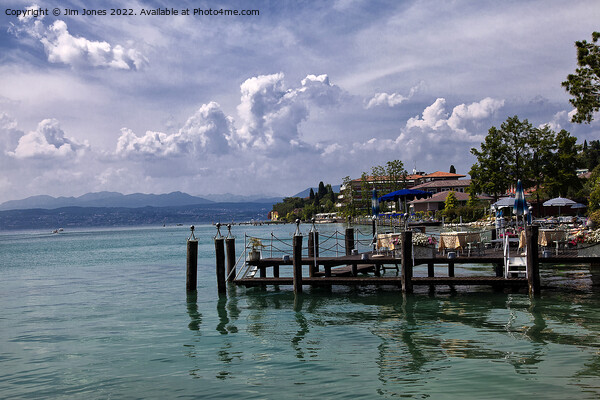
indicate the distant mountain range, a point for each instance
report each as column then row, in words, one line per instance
column 71, row 217
column 117, row 209
column 135, row 200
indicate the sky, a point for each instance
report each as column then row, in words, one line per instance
column 271, row 104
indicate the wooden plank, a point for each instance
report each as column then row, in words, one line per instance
column 391, row 280
column 347, row 270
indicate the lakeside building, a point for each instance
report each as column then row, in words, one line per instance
column 445, row 185
column 360, row 190
column 438, row 200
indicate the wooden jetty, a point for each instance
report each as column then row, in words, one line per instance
column 366, row 268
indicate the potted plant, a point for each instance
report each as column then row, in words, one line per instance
column 423, row 245
column 255, row 247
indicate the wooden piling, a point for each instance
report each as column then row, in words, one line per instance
column 533, row 267
column 349, row 240
column 430, row 270
column 297, row 263
column 191, row 275
column 230, row 248
column 499, row 270
column 407, row 262
column 220, row 254
column 313, row 251
column 450, row 268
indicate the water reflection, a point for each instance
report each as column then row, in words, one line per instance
column 192, row 310
column 303, row 326
column 415, row 336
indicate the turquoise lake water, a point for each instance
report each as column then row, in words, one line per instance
column 103, row 314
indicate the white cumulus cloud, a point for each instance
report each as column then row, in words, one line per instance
column 207, row 131
column 63, row 47
column 435, row 117
column 270, row 114
column 390, row 100
column 47, row 141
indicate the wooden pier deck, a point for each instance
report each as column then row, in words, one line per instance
column 368, row 271
column 371, row 268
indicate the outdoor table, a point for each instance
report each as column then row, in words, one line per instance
column 546, row 237
column 457, row 240
column 386, row 240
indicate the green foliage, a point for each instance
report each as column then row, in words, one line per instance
column 451, row 201
column 560, row 177
column 584, row 84
column 539, row 157
column 594, row 187
column 348, row 208
column 473, row 199
column 590, row 155
column 468, row 213
column 292, row 208
column 595, row 217
column 490, row 173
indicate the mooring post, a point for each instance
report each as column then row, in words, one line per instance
column 407, row 262
column 450, row 268
column 297, row 260
column 430, row 269
column 533, row 266
column 349, row 240
column 313, row 249
column 230, row 248
column 499, row 270
column 191, row 275
column 220, row 255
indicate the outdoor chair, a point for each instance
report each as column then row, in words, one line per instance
column 474, row 246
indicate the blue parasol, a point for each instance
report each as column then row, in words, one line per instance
column 520, row 205
column 374, row 203
column 405, row 194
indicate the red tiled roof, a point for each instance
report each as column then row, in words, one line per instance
column 441, row 197
column 444, row 183
column 440, row 174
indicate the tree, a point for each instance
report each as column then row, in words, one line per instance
column 365, row 190
column 590, row 155
column 561, row 178
column 516, row 135
column 473, row 199
column 451, row 201
column 542, row 144
column 322, row 191
column 396, row 174
column 311, row 196
column 490, row 173
column 452, row 169
column 584, row 85
column 379, row 178
column 348, row 208
column 594, row 183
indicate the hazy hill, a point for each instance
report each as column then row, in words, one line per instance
column 105, row 199
column 69, row 217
